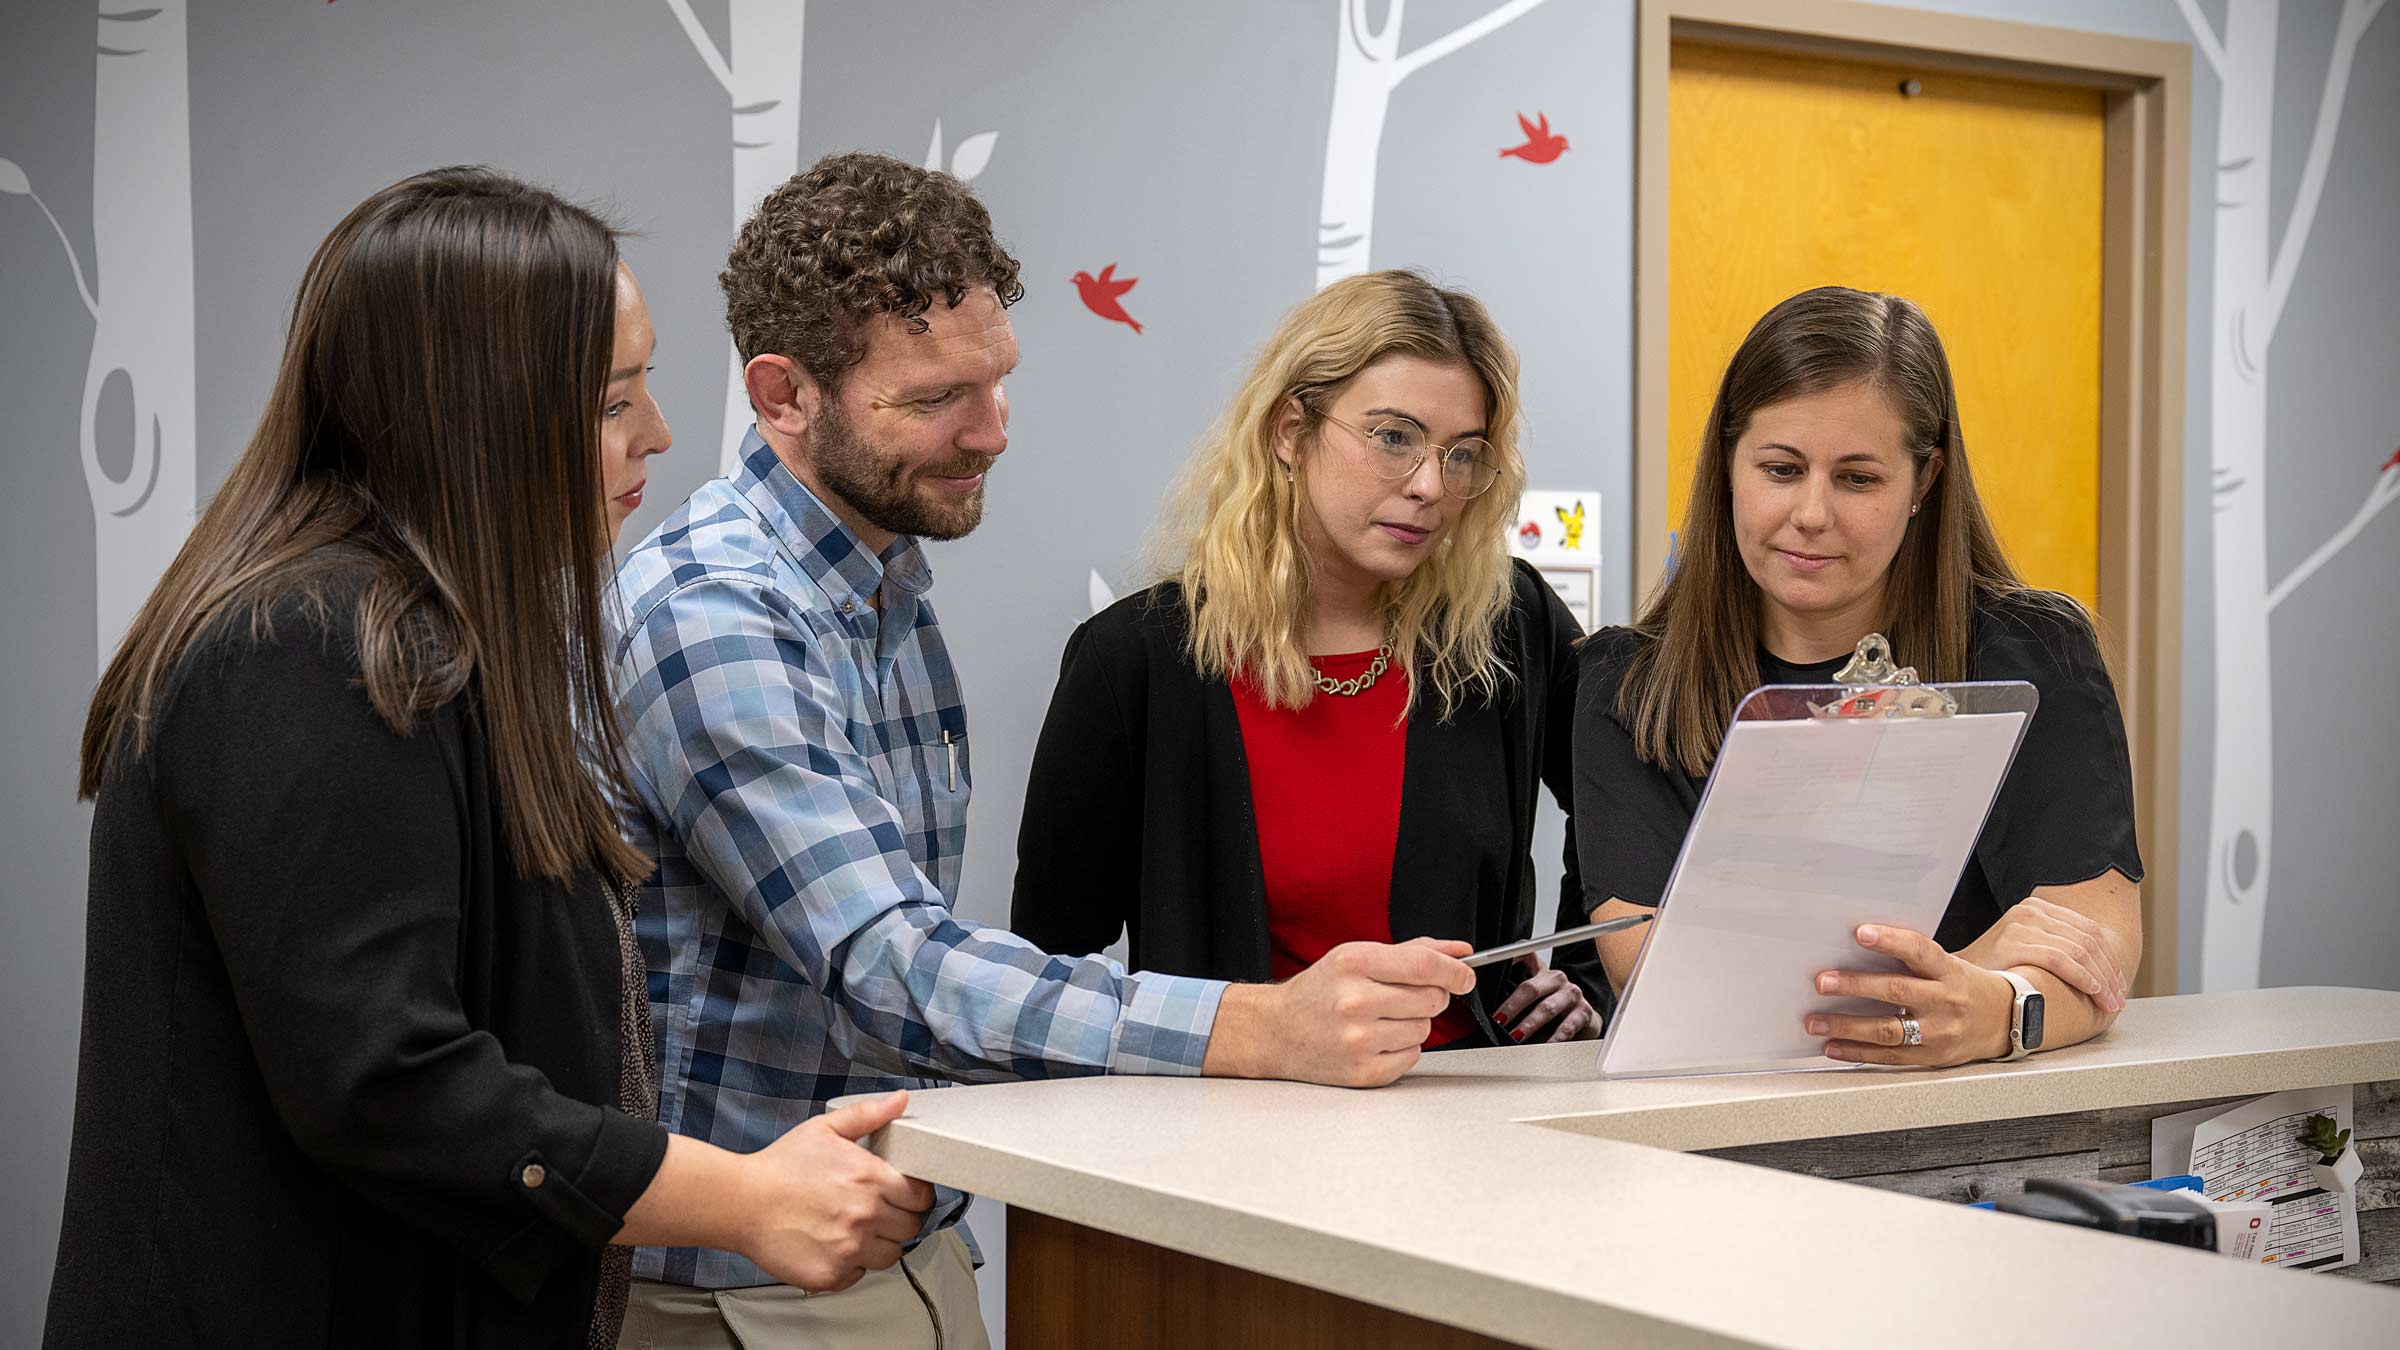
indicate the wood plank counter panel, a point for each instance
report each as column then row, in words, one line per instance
column 1082, row 1287
column 1507, row 1193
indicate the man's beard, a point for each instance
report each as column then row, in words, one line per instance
column 889, row 495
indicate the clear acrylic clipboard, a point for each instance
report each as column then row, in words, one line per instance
column 1829, row 806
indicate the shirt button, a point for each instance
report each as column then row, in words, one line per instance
column 533, row 1176
column 849, row 606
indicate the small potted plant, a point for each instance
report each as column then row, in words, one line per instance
column 2337, row 1167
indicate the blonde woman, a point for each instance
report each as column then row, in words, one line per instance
column 1330, row 721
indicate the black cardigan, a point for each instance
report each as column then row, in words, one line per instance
column 1138, row 815
column 327, row 1030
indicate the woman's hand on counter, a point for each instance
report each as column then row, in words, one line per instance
column 1357, row 1018
column 1547, row 999
column 1962, row 1009
column 2078, row 949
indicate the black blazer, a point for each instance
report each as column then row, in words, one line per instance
column 1138, row 815
column 327, row 1031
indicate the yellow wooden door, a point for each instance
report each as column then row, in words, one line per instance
column 1980, row 199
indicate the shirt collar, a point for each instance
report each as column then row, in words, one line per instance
column 826, row 549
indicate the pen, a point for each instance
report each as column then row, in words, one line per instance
column 1590, row 930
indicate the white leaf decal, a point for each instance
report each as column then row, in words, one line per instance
column 933, row 153
column 1102, row 597
column 973, row 153
column 13, row 180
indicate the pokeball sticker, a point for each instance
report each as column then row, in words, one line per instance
column 1529, row 535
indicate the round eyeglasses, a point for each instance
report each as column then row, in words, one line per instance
column 1396, row 449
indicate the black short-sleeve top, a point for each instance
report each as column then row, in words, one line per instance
column 2064, row 814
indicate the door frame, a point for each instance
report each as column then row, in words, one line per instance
column 2145, row 89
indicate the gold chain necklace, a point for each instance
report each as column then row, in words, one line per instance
column 1358, row 684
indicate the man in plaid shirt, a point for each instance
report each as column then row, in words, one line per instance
column 799, row 746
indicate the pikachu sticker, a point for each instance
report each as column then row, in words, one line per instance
column 1570, row 522
column 1559, row 533
column 1558, row 529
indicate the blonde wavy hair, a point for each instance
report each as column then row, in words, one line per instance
column 1232, row 538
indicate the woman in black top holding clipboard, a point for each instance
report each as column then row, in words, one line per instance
column 1831, row 500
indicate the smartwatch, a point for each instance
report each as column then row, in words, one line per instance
column 2024, row 1019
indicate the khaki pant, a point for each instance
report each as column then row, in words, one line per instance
column 928, row 1300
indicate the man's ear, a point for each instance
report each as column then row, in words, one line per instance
column 784, row 396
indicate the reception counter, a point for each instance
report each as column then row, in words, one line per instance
column 1504, row 1196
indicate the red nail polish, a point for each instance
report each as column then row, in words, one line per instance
column 1499, row 1019
column 1517, row 1035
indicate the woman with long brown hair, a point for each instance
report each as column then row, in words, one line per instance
column 364, row 1043
column 1832, row 499
column 1332, row 721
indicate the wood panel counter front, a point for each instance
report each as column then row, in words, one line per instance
column 1506, row 1196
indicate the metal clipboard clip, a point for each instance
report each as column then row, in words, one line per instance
column 1874, row 687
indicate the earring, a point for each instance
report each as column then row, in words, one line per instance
column 1916, row 507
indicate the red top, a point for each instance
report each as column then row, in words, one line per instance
column 1325, row 790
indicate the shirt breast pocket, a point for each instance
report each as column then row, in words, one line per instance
column 935, row 782
column 936, row 775
column 944, row 766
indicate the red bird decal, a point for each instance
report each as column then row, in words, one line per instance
column 1100, row 294
column 1540, row 146
column 2395, row 459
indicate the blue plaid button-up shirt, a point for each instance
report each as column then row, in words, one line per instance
column 798, row 752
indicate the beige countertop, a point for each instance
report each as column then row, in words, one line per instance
column 1509, row 1192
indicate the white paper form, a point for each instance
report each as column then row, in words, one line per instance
column 2253, row 1152
column 1809, row 829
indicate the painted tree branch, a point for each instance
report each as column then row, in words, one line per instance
column 2356, row 15
column 2387, row 487
column 1456, row 38
column 2203, row 36
column 1367, row 67
column 968, row 160
column 2253, row 275
column 709, row 55
column 14, row 183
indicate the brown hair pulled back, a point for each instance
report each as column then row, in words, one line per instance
column 1681, row 688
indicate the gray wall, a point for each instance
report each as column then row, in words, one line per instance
column 2333, row 418
column 1184, row 144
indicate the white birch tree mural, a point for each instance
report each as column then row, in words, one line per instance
column 2252, row 282
column 973, row 154
column 136, row 434
column 1368, row 66
column 761, row 77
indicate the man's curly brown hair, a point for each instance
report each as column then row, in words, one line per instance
column 856, row 236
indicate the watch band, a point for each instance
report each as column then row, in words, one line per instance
column 2017, row 1049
